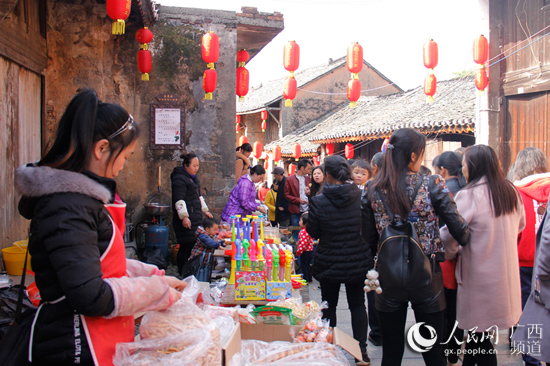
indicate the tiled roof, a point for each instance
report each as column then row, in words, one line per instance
column 264, row 95
column 453, row 111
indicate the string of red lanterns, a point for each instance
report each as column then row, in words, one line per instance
column 263, row 115
column 243, row 76
column 355, row 65
column 119, row 11
column 481, row 54
column 291, row 62
column 430, row 61
column 144, row 36
column 237, row 122
column 210, row 49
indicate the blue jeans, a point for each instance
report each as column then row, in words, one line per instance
column 295, row 221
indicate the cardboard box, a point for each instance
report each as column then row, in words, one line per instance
column 271, row 333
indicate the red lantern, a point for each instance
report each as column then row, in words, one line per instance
column 481, row 79
column 263, row 114
column 237, row 127
column 258, row 149
column 430, row 54
column 210, row 49
column 430, row 86
column 243, row 140
column 277, row 153
column 349, row 151
column 237, row 118
column 144, row 63
column 242, row 57
column 355, row 58
column 329, row 149
column 209, row 82
column 291, row 59
column 290, row 89
column 291, row 169
column 264, row 126
column 354, row 92
column 481, row 50
column 266, row 164
column 119, row 11
column 316, row 161
column 297, row 151
column 144, row 35
column 242, row 82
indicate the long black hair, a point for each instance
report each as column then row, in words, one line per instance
column 246, row 147
column 86, row 121
column 481, row 161
column 338, row 168
column 452, row 162
column 391, row 177
column 316, row 188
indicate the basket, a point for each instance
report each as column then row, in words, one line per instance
column 14, row 258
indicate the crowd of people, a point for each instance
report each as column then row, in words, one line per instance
column 478, row 258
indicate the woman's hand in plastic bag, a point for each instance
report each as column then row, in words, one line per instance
column 174, row 283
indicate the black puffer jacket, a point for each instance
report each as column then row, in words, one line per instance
column 69, row 231
column 184, row 187
column 335, row 219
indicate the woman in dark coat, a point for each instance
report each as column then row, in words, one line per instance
column 341, row 256
column 188, row 206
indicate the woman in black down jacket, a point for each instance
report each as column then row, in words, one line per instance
column 341, row 256
column 188, row 205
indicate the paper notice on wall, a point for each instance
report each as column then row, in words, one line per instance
column 167, row 126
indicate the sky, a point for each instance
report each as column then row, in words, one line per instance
column 392, row 33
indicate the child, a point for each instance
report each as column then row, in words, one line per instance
column 207, row 243
column 361, row 172
column 305, row 248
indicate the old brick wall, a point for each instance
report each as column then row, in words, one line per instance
column 82, row 52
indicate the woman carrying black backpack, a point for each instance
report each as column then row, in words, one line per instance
column 395, row 185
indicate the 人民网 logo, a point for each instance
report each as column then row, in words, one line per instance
column 417, row 342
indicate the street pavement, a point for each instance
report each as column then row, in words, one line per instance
column 410, row 358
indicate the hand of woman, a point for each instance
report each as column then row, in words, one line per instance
column 262, row 210
column 208, row 214
column 186, row 223
column 175, row 283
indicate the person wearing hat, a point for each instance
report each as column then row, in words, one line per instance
column 282, row 215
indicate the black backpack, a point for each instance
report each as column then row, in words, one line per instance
column 401, row 261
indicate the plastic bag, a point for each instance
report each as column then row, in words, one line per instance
column 258, row 353
column 317, row 330
column 156, row 257
column 216, row 311
column 213, row 294
column 226, row 324
column 302, row 312
column 190, row 348
column 191, row 291
column 245, row 315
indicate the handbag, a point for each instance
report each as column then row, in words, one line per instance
column 14, row 347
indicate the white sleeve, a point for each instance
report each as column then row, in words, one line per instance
column 181, row 208
column 204, row 207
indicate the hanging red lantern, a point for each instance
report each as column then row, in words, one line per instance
column 481, row 79
column 290, row 90
column 144, row 63
column 263, row 114
column 354, row 92
column 209, row 82
column 210, row 48
column 237, row 127
column 264, row 126
column 355, row 58
column 430, row 86
column 316, row 161
column 291, row 56
column 430, row 54
column 291, row 169
column 481, row 50
column 242, row 57
column 237, row 118
column 329, row 149
column 258, row 149
column 277, row 153
column 297, row 151
column 266, row 164
column 349, row 151
column 119, row 11
column 242, row 82
column 243, row 140
column 144, row 36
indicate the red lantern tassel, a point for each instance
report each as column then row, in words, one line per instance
column 119, row 27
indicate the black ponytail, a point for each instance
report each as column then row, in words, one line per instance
column 246, row 147
column 453, row 163
column 338, row 168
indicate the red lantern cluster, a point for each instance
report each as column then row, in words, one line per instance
column 144, row 36
column 263, row 114
column 297, row 151
column 210, row 48
column 257, row 149
column 329, row 149
column 355, row 65
column 481, row 54
column 276, row 154
column 243, row 76
column 349, row 151
column 291, row 62
column 430, row 61
column 119, row 11
column 237, row 122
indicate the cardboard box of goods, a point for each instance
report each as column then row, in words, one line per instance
column 271, row 333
